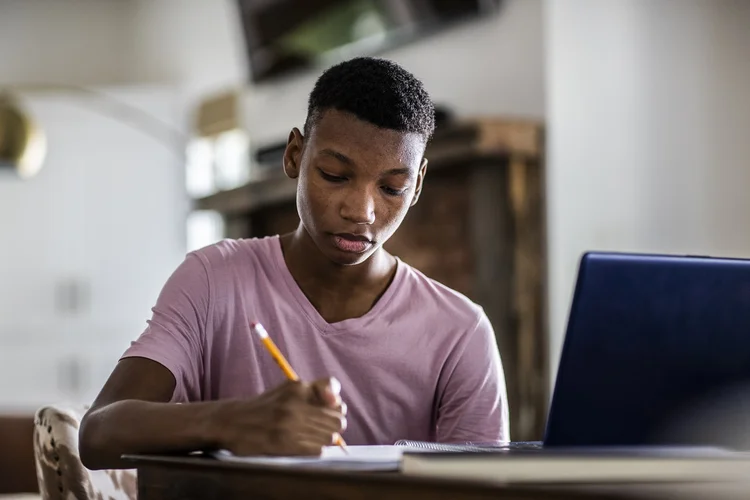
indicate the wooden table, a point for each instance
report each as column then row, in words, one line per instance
column 162, row 477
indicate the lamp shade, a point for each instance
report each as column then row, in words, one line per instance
column 22, row 144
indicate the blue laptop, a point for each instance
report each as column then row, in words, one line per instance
column 657, row 352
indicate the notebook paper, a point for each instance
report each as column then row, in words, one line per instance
column 359, row 458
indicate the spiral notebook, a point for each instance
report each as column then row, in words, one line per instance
column 470, row 447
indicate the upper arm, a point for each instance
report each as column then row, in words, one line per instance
column 171, row 347
column 136, row 378
column 473, row 403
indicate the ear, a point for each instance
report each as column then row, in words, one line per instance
column 293, row 153
column 420, row 181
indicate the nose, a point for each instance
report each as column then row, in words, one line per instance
column 359, row 207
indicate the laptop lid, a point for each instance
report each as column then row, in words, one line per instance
column 656, row 352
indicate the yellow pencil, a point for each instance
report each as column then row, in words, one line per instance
column 284, row 364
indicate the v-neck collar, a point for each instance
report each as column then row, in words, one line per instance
column 352, row 324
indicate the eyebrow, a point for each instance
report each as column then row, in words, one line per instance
column 398, row 171
column 348, row 161
column 339, row 156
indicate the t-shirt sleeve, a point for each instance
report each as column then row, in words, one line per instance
column 175, row 333
column 473, row 404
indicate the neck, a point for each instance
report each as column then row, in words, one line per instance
column 307, row 264
column 337, row 291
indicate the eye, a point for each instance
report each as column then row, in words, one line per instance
column 392, row 191
column 330, row 177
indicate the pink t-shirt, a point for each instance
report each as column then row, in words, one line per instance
column 422, row 364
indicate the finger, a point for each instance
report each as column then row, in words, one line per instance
column 304, row 414
column 326, row 392
column 291, row 389
column 309, row 436
column 321, row 436
column 314, row 435
column 302, row 440
column 310, row 446
column 335, row 438
column 340, row 406
column 305, row 444
column 328, row 420
column 311, row 449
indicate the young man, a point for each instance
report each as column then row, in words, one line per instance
column 411, row 358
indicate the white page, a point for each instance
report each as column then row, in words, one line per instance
column 382, row 458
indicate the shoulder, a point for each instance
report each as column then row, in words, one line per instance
column 230, row 255
column 444, row 305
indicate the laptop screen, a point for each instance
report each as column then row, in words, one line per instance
column 657, row 352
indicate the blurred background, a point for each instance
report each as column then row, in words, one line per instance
column 133, row 131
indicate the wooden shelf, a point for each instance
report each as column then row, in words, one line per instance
column 250, row 197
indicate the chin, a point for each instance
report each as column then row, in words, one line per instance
column 347, row 258
column 343, row 258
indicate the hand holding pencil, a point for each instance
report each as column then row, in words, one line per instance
column 328, row 396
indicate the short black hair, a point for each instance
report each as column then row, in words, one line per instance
column 377, row 91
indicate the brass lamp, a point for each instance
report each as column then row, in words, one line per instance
column 23, row 145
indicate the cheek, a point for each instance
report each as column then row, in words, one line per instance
column 312, row 202
column 394, row 211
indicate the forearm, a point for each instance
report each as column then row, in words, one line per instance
column 134, row 426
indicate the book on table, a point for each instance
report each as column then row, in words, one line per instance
column 641, row 464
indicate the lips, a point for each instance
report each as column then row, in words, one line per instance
column 352, row 243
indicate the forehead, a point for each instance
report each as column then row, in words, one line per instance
column 363, row 141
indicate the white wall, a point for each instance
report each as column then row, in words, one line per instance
column 493, row 66
column 193, row 45
column 196, row 44
column 73, row 41
column 649, row 111
column 107, row 212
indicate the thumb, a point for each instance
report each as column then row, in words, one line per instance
column 326, row 392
